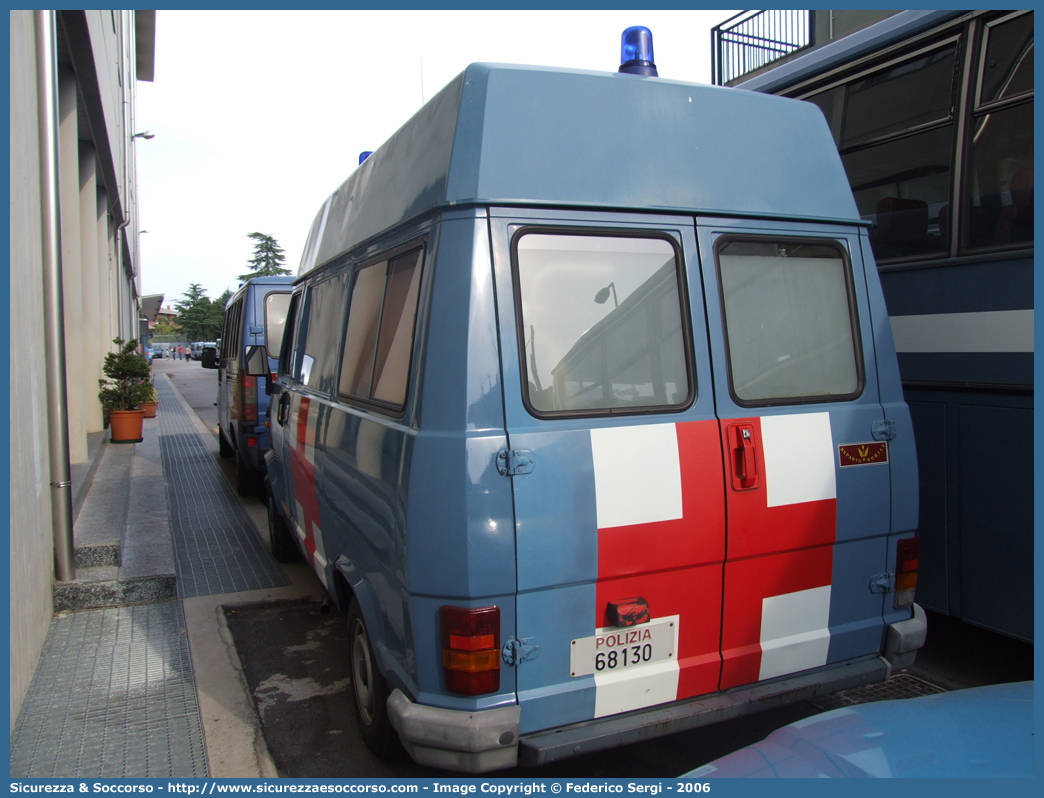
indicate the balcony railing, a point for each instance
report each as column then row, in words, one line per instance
column 752, row 39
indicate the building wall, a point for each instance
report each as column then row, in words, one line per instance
column 100, row 276
column 30, row 512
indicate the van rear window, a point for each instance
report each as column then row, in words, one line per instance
column 789, row 322
column 601, row 324
column 276, row 305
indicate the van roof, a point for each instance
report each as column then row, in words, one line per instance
column 512, row 135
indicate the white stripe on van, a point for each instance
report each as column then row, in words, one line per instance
column 636, row 688
column 799, row 458
column 988, row 331
column 795, row 632
column 637, row 474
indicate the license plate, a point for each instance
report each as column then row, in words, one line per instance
column 612, row 650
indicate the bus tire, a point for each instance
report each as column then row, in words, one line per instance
column 369, row 689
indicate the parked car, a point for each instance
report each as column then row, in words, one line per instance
column 589, row 418
column 254, row 317
column 982, row 732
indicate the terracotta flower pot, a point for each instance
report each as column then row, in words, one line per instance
column 125, row 426
column 149, row 408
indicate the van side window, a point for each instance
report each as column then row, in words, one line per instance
column 286, row 350
column 379, row 342
column 321, row 332
column 789, row 322
column 276, row 305
column 601, row 324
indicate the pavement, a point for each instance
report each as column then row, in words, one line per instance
column 139, row 676
column 166, row 655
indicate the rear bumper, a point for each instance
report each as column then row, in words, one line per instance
column 905, row 638
column 477, row 742
column 553, row 745
column 469, row 742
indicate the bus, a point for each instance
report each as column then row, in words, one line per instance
column 932, row 114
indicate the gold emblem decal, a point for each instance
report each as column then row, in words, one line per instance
column 854, row 454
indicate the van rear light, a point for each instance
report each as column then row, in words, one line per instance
column 908, row 552
column 248, row 390
column 471, row 649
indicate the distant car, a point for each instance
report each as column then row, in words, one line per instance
column 981, row 732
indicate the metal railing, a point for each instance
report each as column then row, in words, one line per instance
column 752, row 39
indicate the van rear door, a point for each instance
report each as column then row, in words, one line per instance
column 615, row 459
column 807, row 479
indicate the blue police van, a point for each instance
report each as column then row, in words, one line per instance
column 587, row 415
column 254, row 316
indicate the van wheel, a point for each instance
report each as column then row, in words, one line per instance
column 280, row 537
column 246, row 480
column 224, row 447
column 369, row 689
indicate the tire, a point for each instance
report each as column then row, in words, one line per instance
column 246, row 480
column 369, row 689
column 224, row 447
column 280, row 538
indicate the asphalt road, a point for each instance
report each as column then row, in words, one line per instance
column 296, row 663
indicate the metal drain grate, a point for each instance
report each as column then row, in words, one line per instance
column 216, row 548
column 113, row 696
column 902, row 686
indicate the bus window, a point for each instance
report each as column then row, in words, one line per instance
column 999, row 189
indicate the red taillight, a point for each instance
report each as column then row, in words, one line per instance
column 907, row 554
column 248, row 388
column 471, row 649
column 251, row 441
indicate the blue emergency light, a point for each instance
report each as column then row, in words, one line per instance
column 364, row 155
column 636, row 52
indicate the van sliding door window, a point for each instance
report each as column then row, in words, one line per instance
column 379, row 341
column 321, row 332
column 789, row 322
column 601, row 324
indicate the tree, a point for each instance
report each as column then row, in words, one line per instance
column 197, row 316
column 268, row 258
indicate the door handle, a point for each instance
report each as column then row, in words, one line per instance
column 744, row 457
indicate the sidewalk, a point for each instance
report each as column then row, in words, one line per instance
column 139, row 676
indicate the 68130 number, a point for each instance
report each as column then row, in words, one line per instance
column 621, row 658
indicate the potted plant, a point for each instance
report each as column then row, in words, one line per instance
column 124, row 387
column 149, row 400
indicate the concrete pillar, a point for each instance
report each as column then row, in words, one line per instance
column 92, row 351
column 72, row 282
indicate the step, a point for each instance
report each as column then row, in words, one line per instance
column 93, row 555
column 103, row 586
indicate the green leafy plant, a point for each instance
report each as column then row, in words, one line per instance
column 148, row 392
column 126, row 382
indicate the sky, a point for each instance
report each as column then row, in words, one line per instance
column 259, row 116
